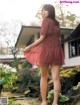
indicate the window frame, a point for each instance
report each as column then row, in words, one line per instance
column 78, row 52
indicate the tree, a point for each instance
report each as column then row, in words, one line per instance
column 65, row 17
column 14, row 52
column 8, row 34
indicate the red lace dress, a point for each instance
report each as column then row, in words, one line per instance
column 49, row 51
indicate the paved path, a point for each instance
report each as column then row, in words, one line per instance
column 20, row 99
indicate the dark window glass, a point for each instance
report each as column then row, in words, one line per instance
column 79, row 46
column 74, row 48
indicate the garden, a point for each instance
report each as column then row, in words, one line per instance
column 22, row 86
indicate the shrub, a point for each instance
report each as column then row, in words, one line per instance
column 75, row 90
column 15, row 63
column 69, row 78
column 26, row 65
column 7, row 75
column 62, row 98
column 28, row 80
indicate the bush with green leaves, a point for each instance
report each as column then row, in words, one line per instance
column 26, row 65
column 9, row 84
column 28, row 80
column 15, row 63
column 62, row 98
column 69, row 78
column 7, row 75
column 75, row 90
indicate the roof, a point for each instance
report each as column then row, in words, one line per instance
column 25, row 35
column 27, row 31
column 9, row 58
column 75, row 33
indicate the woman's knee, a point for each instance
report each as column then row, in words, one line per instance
column 56, row 77
column 55, row 72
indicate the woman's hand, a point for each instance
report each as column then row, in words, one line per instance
column 27, row 49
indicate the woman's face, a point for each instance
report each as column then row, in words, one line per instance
column 44, row 13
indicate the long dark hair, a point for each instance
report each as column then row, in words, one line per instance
column 51, row 10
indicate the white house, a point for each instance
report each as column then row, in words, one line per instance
column 9, row 58
column 70, row 40
column 72, row 48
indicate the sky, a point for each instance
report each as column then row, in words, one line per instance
column 25, row 10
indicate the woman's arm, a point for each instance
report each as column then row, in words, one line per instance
column 43, row 32
column 42, row 37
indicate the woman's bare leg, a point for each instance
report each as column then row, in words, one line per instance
column 57, row 85
column 43, row 82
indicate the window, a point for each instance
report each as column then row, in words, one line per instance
column 31, row 40
column 74, row 48
column 79, row 46
column 62, row 41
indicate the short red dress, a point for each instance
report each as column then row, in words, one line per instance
column 49, row 51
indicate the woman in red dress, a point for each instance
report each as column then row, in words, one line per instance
column 47, row 52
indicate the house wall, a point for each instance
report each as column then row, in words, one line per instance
column 70, row 61
column 35, row 37
column 66, row 50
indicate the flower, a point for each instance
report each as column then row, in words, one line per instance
column 7, row 68
column 13, row 69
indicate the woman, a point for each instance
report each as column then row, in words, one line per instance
column 47, row 52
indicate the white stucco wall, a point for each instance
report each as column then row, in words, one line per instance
column 66, row 50
column 70, row 61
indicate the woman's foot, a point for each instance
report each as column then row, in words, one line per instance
column 44, row 103
column 54, row 104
